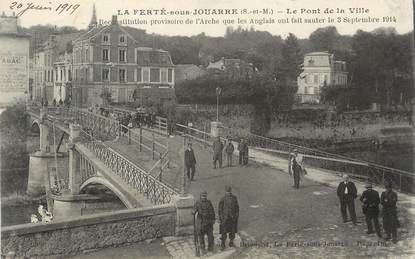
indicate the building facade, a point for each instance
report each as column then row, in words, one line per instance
column 49, row 76
column 62, row 88
column 319, row 69
column 107, row 59
column 14, row 61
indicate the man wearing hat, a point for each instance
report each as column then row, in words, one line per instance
column 217, row 152
column 296, row 167
column 228, row 216
column 190, row 161
column 205, row 218
column 347, row 193
column 388, row 199
column 370, row 207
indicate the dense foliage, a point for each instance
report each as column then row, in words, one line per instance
column 13, row 136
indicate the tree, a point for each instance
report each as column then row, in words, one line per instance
column 324, row 39
column 290, row 65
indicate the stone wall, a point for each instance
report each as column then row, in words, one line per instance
column 89, row 232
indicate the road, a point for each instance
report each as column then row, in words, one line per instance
column 277, row 220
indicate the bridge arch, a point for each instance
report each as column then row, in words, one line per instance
column 106, row 183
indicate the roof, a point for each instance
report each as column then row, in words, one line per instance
column 18, row 33
column 88, row 34
column 153, row 57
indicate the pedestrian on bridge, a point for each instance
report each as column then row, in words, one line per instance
column 296, row 168
column 205, row 218
column 229, row 152
column 370, row 208
column 190, row 162
column 228, row 217
column 243, row 152
column 347, row 193
column 388, row 199
column 217, row 152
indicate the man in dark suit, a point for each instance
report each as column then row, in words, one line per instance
column 205, row 213
column 190, row 161
column 388, row 200
column 217, row 152
column 228, row 216
column 347, row 193
column 370, row 207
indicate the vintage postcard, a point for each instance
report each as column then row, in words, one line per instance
column 227, row 129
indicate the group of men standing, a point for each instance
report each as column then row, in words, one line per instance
column 347, row 193
column 218, row 147
column 228, row 214
column 229, row 148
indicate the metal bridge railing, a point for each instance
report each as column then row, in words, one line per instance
column 403, row 180
column 106, row 128
column 148, row 185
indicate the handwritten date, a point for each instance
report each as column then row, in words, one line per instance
column 25, row 7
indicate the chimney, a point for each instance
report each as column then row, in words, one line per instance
column 114, row 20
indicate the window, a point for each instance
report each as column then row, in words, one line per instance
column 316, row 79
column 325, row 79
column 105, row 55
column 105, row 38
column 121, row 73
column 145, row 75
column 69, row 75
column 154, row 75
column 163, row 76
column 316, row 91
column 122, row 38
column 307, row 79
column 105, row 74
column 122, row 55
column 305, row 90
column 170, row 75
column 138, row 74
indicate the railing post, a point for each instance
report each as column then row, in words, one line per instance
column 153, row 145
column 161, row 167
column 129, row 136
column 168, row 154
column 141, row 138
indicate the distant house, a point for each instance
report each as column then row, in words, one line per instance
column 233, row 68
column 319, row 69
column 185, row 72
column 110, row 57
column 47, row 68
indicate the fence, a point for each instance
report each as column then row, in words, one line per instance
column 148, row 185
column 312, row 157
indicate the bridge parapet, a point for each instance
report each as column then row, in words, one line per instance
column 146, row 184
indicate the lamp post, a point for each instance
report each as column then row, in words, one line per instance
column 218, row 91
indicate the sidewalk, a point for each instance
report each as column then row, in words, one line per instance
column 331, row 179
column 184, row 247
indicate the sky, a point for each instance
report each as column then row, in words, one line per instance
column 391, row 13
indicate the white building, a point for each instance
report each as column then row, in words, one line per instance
column 319, row 69
column 63, row 77
column 14, row 61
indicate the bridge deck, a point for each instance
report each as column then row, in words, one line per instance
column 271, row 210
